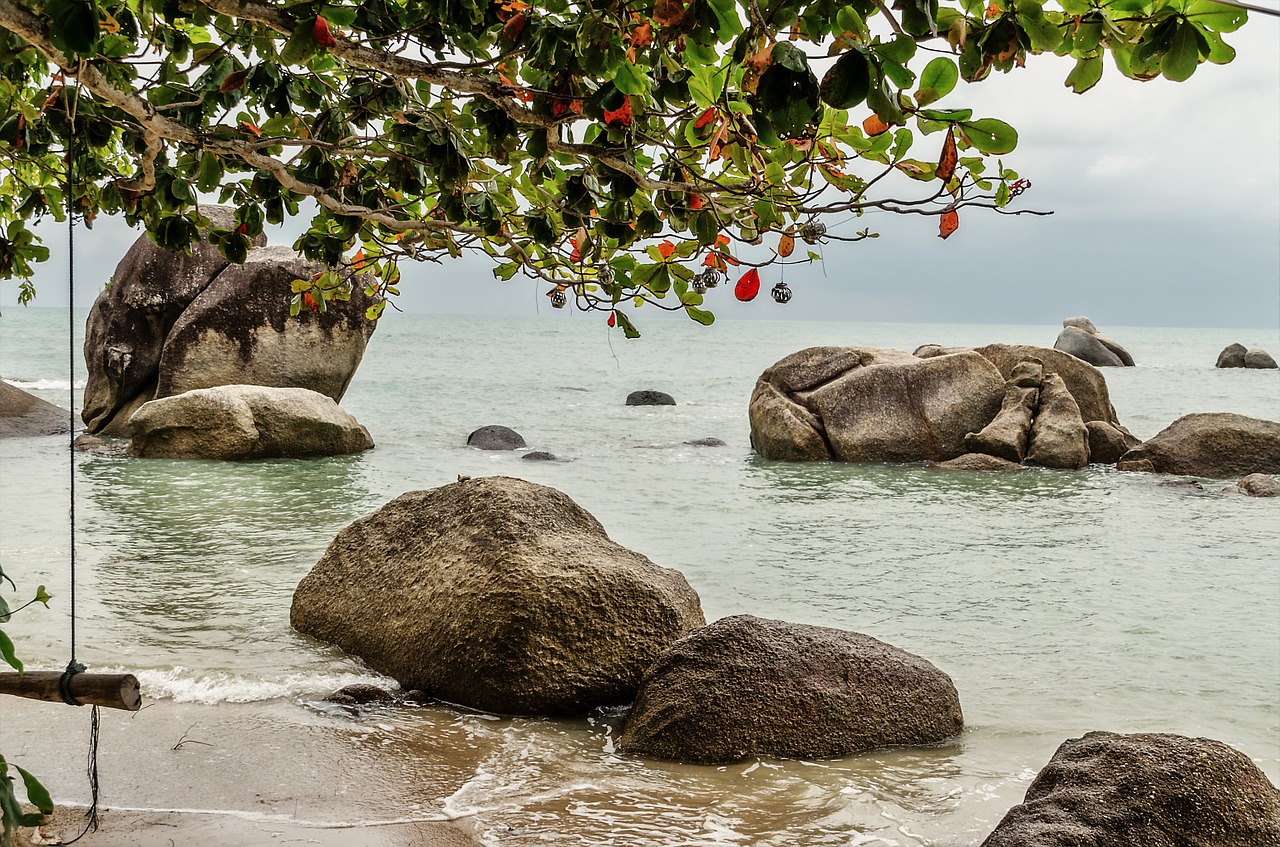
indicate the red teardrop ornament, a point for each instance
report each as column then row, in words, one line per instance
column 748, row 285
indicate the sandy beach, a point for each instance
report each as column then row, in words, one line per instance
column 177, row 774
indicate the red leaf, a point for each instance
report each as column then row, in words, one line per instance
column 310, row 302
column 949, row 223
column 665, row 249
column 705, row 118
column 947, row 162
column 514, row 27
column 613, row 321
column 695, row 202
column 243, row 229
column 320, row 31
column 748, row 286
column 621, row 116
column 251, row 128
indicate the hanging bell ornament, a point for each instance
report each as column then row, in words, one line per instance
column 781, row 293
column 709, row 278
column 812, row 231
column 604, row 274
column 558, row 299
column 698, row 285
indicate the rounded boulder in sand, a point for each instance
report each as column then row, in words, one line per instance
column 745, row 686
column 1144, row 790
column 496, row 594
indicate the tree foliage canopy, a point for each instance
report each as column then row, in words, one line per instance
column 621, row 152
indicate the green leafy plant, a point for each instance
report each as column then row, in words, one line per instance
column 11, row 815
column 564, row 139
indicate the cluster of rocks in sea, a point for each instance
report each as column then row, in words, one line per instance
column 1081, row 339
column 1239, row 356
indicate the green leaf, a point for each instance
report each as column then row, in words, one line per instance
column 1044, row 34
column 301, row 45
column 847, row 82
column 787, row 55
column 37, row 794
column 991, row 136
column 628, row 328
column 937, row 81
column 1179, row 63
column 946, row 115
column 901, row 49
column 73, row 25
column 1085, row 74
column 8, row 654
column 1217, row 16
column 210, row 172
column 701, row 316
column 5, row 614
column 631, row 79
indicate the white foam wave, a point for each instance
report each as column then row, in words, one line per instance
column 45, row 384
column 182, row 685
column 266, row 817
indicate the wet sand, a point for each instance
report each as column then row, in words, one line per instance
column 266, row 773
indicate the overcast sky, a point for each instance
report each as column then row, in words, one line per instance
column 1166, row 201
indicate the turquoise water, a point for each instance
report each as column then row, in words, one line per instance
column 1059, row 602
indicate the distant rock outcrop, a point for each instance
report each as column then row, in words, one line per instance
column 1238, row 356
column 23, row 414
column 1259, row 359
column 1081, row 339
column 1216, row 445
column 245, row 422
column 1148, row 789
column 745, row 686
column 172, row 322
column 496, row 594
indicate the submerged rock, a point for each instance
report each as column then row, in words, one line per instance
column 539, row 456
column 495, row 438
column 23, row 414
column 245, row 422
column 496, row 594
column 745, row 686
column 1144, row 790
column 707, row 442
column 1255, row 485
column 978, row 462
column 1217, row 445
column 359, row 694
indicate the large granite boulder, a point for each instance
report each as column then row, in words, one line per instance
column 746, row 686
column 173, row 322
column 1259, row 359
column 1085, row 382
column 1232, row 356
column 495, row 437
column 1059, row 438
column 861, row 404
column 244, row 422
column 496, row 594
column 1216, row 445
column 1144, row 790
column 1081, row 339
column 23, row 414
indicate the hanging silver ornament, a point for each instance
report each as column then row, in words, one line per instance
column 710, row 278
column 812, row 231
column 781, row 293
column 604, row 274
column 558, row 299
column 698, row 285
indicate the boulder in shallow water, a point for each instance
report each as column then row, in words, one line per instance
column 862, row 404
column 495, row 438
column 1216, row 445
column 1059, row 438
column 1086, row 346
column 23, row 414
column 649, row 397
column 978, row 462
column 245, row 422
column 1007, row 434
column 1144, row 790
column 496, row 594
column 1086, row 383
column 1108, row 442
column 746, row 686
column 1259, row 359
column 1255, row 485
column 1232, row 356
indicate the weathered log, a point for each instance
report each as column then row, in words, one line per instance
column 112, row 690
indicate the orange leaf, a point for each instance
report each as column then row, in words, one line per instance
column 642, row 36
column 786, row 244
column 666, row 248
column 514, row 28
column 947, row 162
column 357, row 261
column 705, row 118
column 949, row 223
column 722, row 240
column 320, row 31
column 695, row 202
column 669, row 13
column 994, row 11
column 874, row 126
column 621, row 116
column 748, row 286
column 251, row 128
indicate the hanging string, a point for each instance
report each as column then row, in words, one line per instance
column 74, row 667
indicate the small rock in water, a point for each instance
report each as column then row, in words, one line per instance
column 649, row 397
column 495, row 438
column 1255, row 485
column 706, row 442
column 978, row 462
column 540, row 456
column 359, row 694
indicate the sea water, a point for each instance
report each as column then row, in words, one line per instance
column 1059, row 602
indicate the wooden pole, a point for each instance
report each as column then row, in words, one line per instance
column 112, row 690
